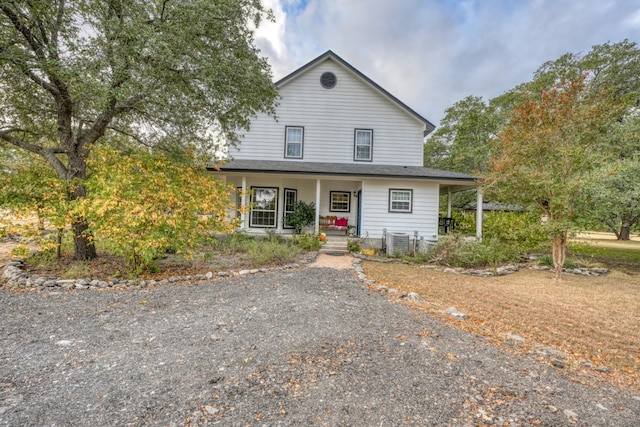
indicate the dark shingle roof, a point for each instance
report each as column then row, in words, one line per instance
column 343, row 169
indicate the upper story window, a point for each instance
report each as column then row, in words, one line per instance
column 400, row 200
column 294, row 138
column 363, row 146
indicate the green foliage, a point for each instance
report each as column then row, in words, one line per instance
column 306, row 241
column 611, row 196
column 28, row 190
column 303, row 215
column 144, row 205
column 20, row 252
column 522, row 228
column 354, row 245
column 176, row 76
column 237, row 241
column 462, row 142
column 458, row 252
column 271, row 251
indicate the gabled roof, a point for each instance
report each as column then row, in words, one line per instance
column 429, row 127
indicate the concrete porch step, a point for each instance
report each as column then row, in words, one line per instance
column 335, row 245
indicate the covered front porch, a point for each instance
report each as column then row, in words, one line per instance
column 271, row 198
column 344, row 205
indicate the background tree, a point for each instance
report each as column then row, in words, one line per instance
column 462, row 142
column 612, row 197
column 165, row 73
column 543, row 156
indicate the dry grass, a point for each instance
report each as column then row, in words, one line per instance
column 592, row 318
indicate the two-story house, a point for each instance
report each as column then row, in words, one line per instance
column 341, row 141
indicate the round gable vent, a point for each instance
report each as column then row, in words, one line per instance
column 328, row 80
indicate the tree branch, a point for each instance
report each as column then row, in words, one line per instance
column 47, row 153
column 104, row 119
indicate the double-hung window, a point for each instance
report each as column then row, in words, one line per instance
column 363, row 145
column 290, row 199
column 400, row 200
column 264, row 208
column 293, row 141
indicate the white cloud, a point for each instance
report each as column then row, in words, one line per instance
column 432, row 53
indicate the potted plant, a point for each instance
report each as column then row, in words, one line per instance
column 303, row 215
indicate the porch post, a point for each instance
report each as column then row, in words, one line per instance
column 479, row 213
column 448, row 202
column 317, row 206
column 243, row 215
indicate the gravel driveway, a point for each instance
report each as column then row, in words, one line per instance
column 309, row 346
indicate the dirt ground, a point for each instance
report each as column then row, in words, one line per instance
column 338, row 262
column 591, row 319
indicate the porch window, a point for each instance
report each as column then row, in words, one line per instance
column 290, row 199
column 400, row 200
column 340, row 201
column 294, row 137
column 363, row 145
column 264, row 209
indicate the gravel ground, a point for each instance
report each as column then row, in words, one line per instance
column 310, row 346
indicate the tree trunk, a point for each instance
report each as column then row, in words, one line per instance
column 625, row 228
column 84, row 248
column 559, row 253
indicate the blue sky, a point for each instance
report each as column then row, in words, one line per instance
column 432, row 53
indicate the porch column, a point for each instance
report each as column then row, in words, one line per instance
column 243, row 215
column 448, row 202
column 479, row 213
column 317, row 205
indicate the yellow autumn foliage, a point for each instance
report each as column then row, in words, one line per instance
column 144, row 204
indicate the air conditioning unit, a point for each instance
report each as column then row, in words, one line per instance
column 397, row 243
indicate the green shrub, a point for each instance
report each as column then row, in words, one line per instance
column 547, row 260
column 517, row 228
column 523, row 228
column 459, row 252
column 231, row 243
column 266, row 251
column 353, row 245
column 306, row 241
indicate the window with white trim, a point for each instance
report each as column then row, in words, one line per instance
column 363, row 145
column 400, row 200
column 294, row 138
column 290, row 199
column 340, row 201
column 264, row 207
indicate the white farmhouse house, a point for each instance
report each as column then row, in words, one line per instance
column 343, row 142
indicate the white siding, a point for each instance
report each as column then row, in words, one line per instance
column 329, row 118
column 376, row 215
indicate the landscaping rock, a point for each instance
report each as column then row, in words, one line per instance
column 455, row 313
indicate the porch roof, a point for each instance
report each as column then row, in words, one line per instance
column 345, row 169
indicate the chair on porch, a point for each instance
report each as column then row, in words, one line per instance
column 446, row 225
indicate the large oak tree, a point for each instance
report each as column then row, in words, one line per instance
column 163, row 73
